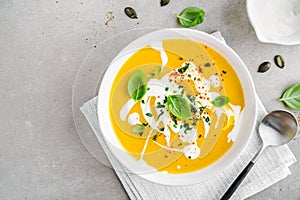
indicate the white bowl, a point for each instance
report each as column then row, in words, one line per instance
column 248, row 120
column 275, row 21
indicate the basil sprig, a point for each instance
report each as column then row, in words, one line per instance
column 139, row 129
column 291, row 97
column 179, row 106
column 221, row 101
column 137, row 85
column 191, row 16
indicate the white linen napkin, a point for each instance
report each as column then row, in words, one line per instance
column 270, row 168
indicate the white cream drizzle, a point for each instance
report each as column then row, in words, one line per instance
column 189, row 137
column 191, row 151
column 134, row 119
column 126, row 108
column 219, row 112
column 158, row 46
column 168, row 148
column 238, row 117
column 157, row 90
column 206, row 125
column 145, row 145
column 214, row 81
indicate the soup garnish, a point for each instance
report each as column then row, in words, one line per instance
column 176, row 115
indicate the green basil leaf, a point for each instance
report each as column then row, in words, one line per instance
column 154, row 137
column 137, row 85
column 291, row 97
column 184, row 68
column 148, row 114
column 138, row 128
column 158, row 70
column 179, row 106
column 191, row 17
column 220, row 101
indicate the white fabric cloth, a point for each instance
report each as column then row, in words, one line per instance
column 272, row 166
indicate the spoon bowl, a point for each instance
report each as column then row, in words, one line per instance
column 278, row 128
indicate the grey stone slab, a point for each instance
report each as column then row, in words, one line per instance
column 42, row 46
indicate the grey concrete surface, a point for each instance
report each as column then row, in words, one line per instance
column 42, row 46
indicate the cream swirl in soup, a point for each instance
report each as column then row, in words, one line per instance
column 177, row 105
column 170, row 84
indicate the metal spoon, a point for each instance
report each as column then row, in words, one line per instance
column 277, row 128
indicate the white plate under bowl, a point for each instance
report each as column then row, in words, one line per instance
column 145, row 171
column 275, row 21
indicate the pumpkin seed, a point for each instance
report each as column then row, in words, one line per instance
column 164, row 2
column 279, row 61
column 130, row 12
column 263, row 67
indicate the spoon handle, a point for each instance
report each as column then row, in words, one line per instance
column 237, row 181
